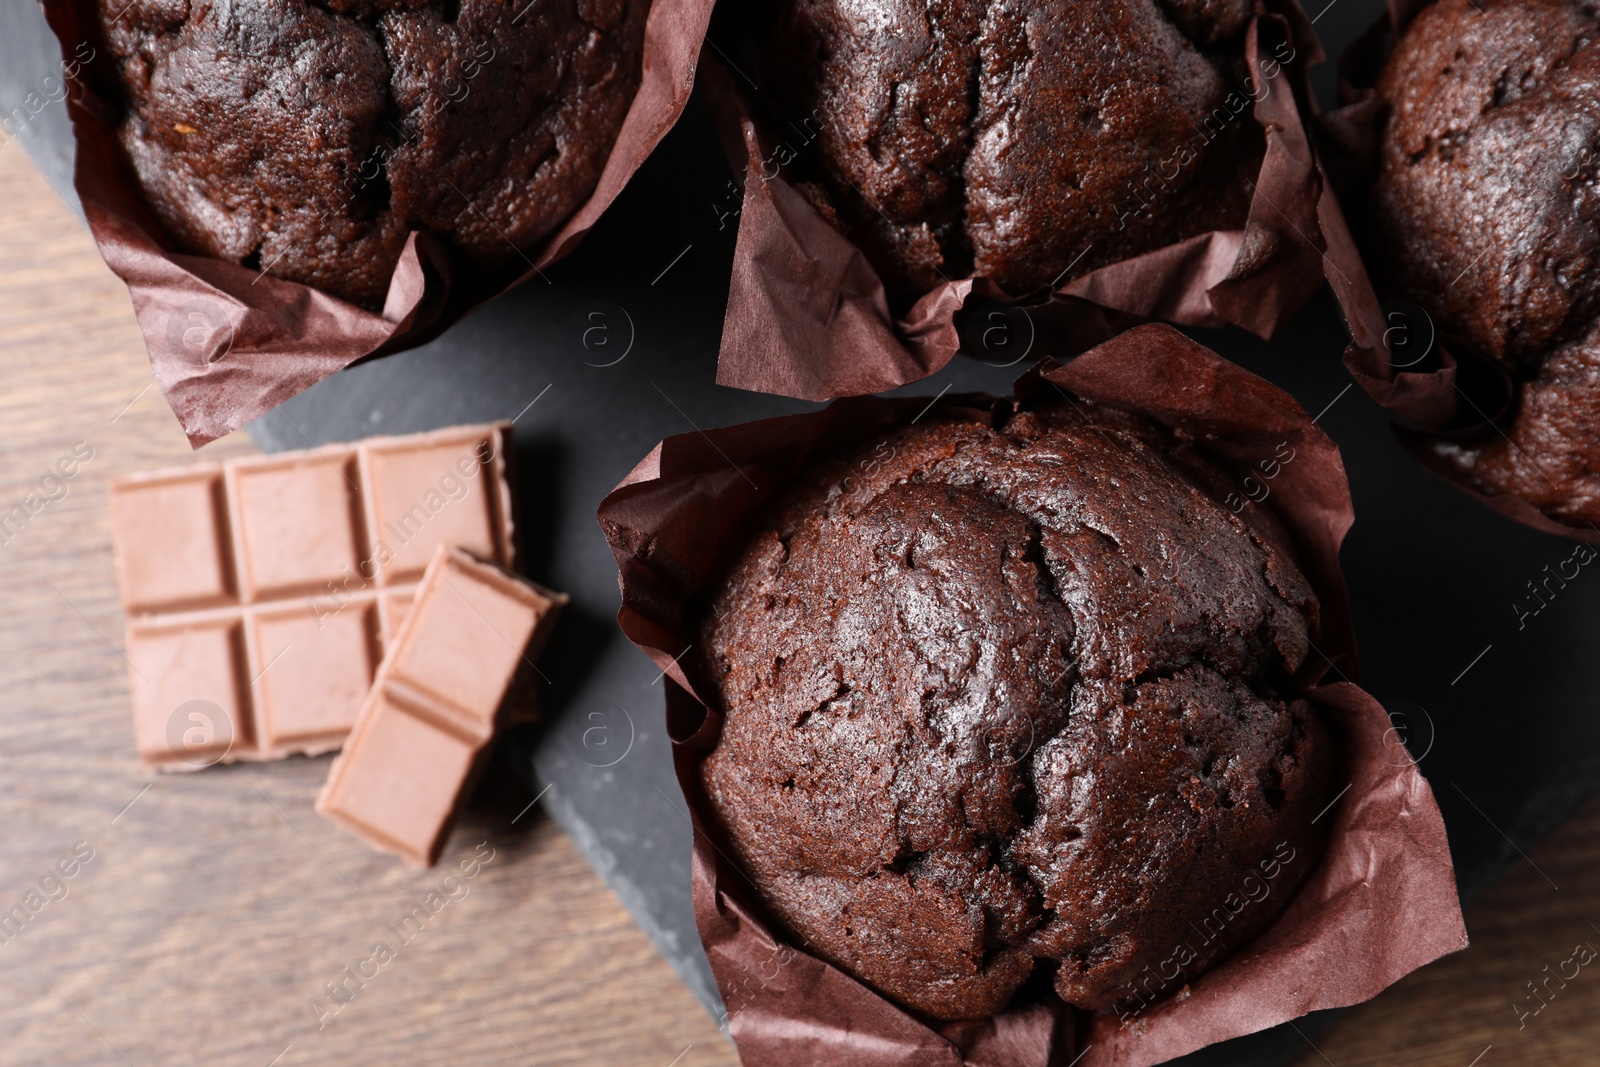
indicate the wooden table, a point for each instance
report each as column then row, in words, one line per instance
column 216, row 908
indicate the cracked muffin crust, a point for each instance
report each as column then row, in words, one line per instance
column 1000, row 701
column 1025, row 141
column 1486, row 212
column 307, row 140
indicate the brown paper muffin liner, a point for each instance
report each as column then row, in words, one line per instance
column 229, row 344
column 1382, row 355
column 1381, row 902
column 808, row 317
column 1398, row 359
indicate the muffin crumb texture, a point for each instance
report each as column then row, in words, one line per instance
column 999, row 702
column 307, row 140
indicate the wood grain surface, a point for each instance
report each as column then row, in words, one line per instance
column 216, row 910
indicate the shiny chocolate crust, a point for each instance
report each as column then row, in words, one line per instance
column 1002, row 701
column 308, row 140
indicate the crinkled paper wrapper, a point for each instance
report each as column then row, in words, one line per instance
column 808, row 317
column 1381, row 903
column 1405, row 367
column 229, row 344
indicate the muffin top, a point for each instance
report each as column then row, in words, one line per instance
column 1485, row 211
column 999, row 696
column 1016, row 139
column 307, row 140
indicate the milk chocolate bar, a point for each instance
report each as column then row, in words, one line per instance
column 261, row 594
column 467, row 648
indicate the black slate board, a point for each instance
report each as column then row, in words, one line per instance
column 1511, row 745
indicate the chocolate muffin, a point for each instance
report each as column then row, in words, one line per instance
column 308, row 140
column 1485, row 211
column 1024, row 141
column 1016, row 700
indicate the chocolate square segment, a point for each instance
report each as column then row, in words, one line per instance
column 188, row 703
column 298, row 523
column 443, row 489
column 170, row 538
column 403, row 789
column 311, row 674
column 466, row 642
column 449, row 681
